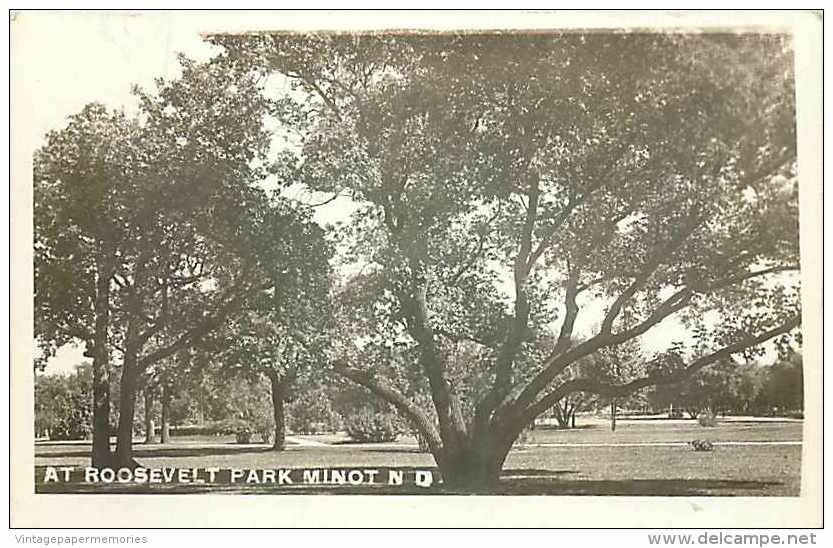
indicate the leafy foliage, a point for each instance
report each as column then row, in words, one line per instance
column 370, row 427
column 505, row 181
column 312, row 412
column 153, row 233
column 727, row 387
column 63, row 405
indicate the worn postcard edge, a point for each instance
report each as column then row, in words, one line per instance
column 31, row 510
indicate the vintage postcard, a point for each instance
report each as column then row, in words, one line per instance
column 416, row 269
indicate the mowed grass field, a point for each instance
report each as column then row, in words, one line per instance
column 642, row 457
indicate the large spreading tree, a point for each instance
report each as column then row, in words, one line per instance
column 614, row 180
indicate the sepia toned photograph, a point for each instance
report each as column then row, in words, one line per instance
column 406, row 261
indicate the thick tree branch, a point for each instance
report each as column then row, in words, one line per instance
column 556, row 363
column 395, row 398
column 619, row 390
column 478, row 252
column 571, row 310
column 455, row 337
column 518, row 325
column 310, row 81
column 645, row 274
column 227, row 302
column 449, row 414
column 733, row 280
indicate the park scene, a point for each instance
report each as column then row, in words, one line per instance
column 554, row 263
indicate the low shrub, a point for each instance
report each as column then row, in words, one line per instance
column 368, row 426
column 67, row 430
column 312, row 413
column 225, row 427
column 266, row 434
column 243, row 436
column 422, row 442
column 707, row 419
column 702, row 445
column 243, row 432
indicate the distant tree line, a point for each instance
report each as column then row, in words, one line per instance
column 63, row 403
column 729, row 389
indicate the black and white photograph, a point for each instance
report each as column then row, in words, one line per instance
column 294, row 256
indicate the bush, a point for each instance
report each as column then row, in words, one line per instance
column 312, row 413
column 707, row 419
column 243, row 432
column 702, row 445
column 225, row 427
column 367, row 426
column 423, row 443
column 71, row 428
column 266, row 434
column 63, row 405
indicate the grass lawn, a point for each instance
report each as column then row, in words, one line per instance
column 594, row 430
column 734, row 470
column 646, row 431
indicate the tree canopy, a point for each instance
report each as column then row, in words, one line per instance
column 152, row 232
column 506, row 180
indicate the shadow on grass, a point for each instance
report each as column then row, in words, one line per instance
column 409, row 450
column 354, row 442
column 527, row 472
column 555, row 427
column 169, row 451
column 639, row 487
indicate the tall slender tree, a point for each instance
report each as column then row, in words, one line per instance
column 82, row 218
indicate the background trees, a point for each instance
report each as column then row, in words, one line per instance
column 712, row 390
column 729, row 388
column 783, row 389
column 64, row 404
column 507, row 182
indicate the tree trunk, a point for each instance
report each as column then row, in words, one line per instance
column 473, row 467
column 127, row 410
column 278, row 398
column 573, row 418
column 561, row 415
column 102, row 456
column 166, row 414
column 613, row 415
column 150, row 427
